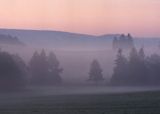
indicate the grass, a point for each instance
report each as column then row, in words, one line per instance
column 114, row 103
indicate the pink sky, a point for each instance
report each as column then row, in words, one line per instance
column 139, row 17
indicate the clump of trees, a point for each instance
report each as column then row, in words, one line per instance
column 95, row 73
column 45, row 70
column 123, row 42
column 137, row 69
column 12, row 71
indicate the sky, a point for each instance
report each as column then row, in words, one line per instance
column 96, row 17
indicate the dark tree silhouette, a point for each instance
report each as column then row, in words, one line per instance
column 22, row 66
column 119, row 76
column 133, row 71
column 123, row 42
column 54, row 68
column 138, row 72
column 12, row 71
column 133, row 75
column 39, row 68
column 35, row 68
column 144, row 71
column 43, row 67
column 142, row 54
column 45, row 70
column 153, row 63
column 95, row 74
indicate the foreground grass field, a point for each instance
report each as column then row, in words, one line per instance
column 146, row 102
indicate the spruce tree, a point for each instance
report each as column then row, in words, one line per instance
column 45, row 69
column 133, row 67
column 153, row 63
column 95, row 74
column 137, row 68
column 34, row 67
column 129, row 43
column 39, row 68
column 119, row 76
column 54, row 68
column 43, row 62
column 142, row 54
column 144, row 71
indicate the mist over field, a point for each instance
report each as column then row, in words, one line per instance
column 74, row 51
column 52, row 71
column 79, row 57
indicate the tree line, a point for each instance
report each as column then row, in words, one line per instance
column 42, row 69
column 136, row 70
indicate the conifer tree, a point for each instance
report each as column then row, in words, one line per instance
column 142, row 54
column 95, row 74
column 138, row 72
column 39, row 68
column 119, row 76
column 45, row 69
column 34, row 67
column 54, row 68
column 153, row 63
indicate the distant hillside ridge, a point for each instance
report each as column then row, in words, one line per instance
column 60, row 39
column 10, row 40
column 68, row 40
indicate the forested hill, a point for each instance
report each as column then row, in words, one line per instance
column 9, row 40
column 60, row 39
column 68, row 40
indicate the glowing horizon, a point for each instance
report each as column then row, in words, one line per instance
column 138, row 17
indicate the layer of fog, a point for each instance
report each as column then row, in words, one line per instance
column 76, row 64
column 76, row 61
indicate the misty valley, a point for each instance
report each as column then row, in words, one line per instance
column 68, row 73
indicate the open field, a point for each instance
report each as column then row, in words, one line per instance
column 77, row 102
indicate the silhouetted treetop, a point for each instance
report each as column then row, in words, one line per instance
column 123, row 41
